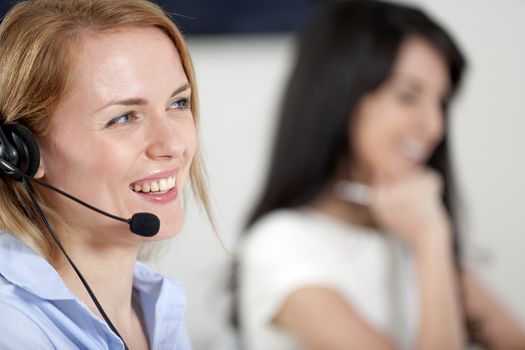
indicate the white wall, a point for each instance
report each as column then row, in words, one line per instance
column 240, row 81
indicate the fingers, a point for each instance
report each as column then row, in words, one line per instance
column 420, row 185
column 408, row 205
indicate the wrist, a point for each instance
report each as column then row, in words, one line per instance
column 433, row 238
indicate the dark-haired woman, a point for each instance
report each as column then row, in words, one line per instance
column 354, row 244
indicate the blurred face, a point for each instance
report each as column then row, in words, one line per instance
column 398, row 126
column 123, row 137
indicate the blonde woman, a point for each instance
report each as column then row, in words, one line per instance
column 97, row 99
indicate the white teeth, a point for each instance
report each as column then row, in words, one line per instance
column 159, row 186
column 154, row 186
column 413, row 149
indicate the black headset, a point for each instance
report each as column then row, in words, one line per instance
column 19, row 152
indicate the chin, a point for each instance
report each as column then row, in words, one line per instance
column 169, row 227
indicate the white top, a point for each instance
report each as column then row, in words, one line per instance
column 292, row 249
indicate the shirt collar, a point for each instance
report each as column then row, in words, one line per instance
column 23, row 267
column 163, row 300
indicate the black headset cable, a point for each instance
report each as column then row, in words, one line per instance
column 30, row 192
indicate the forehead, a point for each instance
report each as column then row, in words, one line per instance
column 119, row 63
column 420, row 62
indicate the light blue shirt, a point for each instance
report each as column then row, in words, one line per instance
column 38, row 311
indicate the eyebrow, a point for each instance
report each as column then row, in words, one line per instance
column 139, row 100
column 415, row 82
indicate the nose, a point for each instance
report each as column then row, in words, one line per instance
column 163, row 139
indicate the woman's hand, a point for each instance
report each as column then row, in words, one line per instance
column 410, row 208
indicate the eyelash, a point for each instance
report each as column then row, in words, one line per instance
column 184, row 104
column 115, row 121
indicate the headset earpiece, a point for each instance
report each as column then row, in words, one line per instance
column 19, row 150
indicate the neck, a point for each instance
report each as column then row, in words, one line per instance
column 329, row 204
column 109, row 272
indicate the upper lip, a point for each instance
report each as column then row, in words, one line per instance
column 157, row 175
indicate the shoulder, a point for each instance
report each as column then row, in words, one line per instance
column 164, row 304
column 144, row 277
column 19, row 331
column 158, row 287
column 285, row 227
column 291, row 249
column 272, row 237
column 285, row 251
column 304, row 233
column 279, row 222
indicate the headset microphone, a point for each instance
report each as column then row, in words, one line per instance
column 142, row 224
column 20, row 159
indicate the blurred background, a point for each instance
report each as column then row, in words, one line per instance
column 242, row 51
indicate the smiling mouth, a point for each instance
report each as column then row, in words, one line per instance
column 414, row 150
column 159, row 186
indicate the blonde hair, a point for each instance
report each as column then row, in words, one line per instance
column 36, row 41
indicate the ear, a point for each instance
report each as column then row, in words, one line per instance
column 41, row 169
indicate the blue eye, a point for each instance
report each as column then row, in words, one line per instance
column 181, row 104
column 122, row 119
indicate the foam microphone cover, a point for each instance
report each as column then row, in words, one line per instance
column 144, row 224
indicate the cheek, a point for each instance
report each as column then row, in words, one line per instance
column 190, row 139
column 191, row 144
column 372, row 149
column 438, row 132
column 60, row 158
column 82, row 166
column 376, row 134
column 372, row 138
